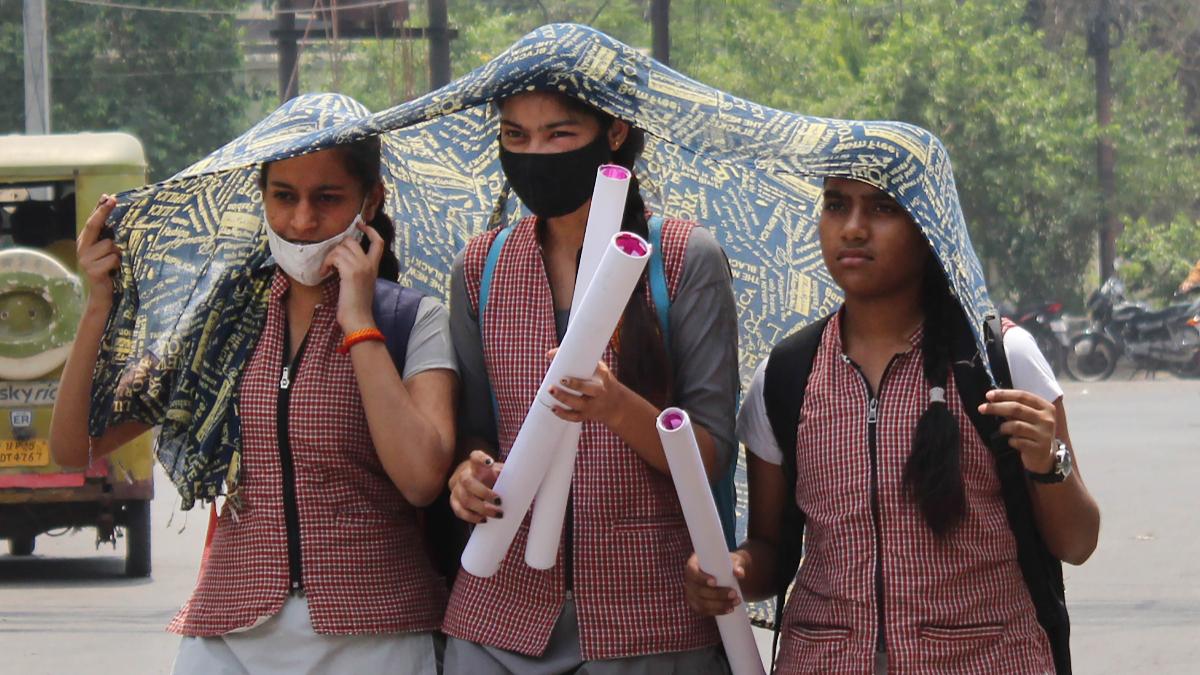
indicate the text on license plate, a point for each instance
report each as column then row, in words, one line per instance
column 35, row 452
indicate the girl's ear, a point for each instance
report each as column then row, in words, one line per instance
column 618, row 131
column 374, row 202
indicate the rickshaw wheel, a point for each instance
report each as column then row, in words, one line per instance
column 137, row 539
column 21, row 545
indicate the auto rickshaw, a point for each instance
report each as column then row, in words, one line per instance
column 48, row 187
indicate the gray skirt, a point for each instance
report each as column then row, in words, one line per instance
column 562, row 655
column 287, row 643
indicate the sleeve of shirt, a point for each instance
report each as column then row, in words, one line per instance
column 1030, row 370
column 753, row 425
column 703, row 324
column 475, row 399
column 429, row 344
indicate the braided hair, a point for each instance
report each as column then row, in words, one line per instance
column 645, row 360
column 933, row 472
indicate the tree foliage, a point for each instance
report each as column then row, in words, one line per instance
column 1007, row 85
column 1010, row 92
column 1157, row 255
column 173, row 80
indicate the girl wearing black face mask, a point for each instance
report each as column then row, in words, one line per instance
column 614, row 600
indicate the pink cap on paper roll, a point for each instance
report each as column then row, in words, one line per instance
column 672, row 419
column 632, row 245
column 615, row 172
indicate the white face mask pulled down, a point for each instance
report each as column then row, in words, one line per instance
column 302, row 262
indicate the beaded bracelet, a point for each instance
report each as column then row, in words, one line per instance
column 364, row 335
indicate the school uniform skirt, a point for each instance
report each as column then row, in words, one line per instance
column 286, row 644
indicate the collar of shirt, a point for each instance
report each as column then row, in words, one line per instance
column 835, row 334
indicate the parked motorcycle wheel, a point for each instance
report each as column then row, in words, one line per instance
column 1091, row 358
column 1190, row 369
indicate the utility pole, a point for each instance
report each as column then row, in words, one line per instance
column 660, row 29
column 1100, row 44
column 439, row 44
column 382, row 22
column 285, row 36
column 37, row 68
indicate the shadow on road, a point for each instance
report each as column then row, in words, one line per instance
column 52, row 572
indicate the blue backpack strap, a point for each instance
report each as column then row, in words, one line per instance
column 395, row 310
column 658, row 279
column 485, row 289
column 724, row 491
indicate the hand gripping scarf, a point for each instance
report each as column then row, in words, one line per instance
column 193, row 282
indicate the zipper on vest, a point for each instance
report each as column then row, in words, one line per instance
column 291, row 513
column 876, row 510
column 872, row 425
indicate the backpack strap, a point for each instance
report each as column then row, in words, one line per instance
column 395, row 310
column 658, row 279
column 1042, row 572
column 784, row 382
column 485, row 289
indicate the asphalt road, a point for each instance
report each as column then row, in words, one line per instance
column 1135, row 605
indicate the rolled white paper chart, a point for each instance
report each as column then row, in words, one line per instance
column 550, row 505
column 604, row 222
column 542, row 432
column 704, row 526
column 599, row 312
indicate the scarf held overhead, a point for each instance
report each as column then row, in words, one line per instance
column 193, row 280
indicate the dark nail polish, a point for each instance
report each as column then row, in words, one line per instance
column 499, row 515
column 483, row 521
column 496, row 501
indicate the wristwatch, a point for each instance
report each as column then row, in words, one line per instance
column 1063, row 465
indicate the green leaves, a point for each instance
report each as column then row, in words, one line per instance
column 1014, row 105
column 1157, row 255
column 176, row 81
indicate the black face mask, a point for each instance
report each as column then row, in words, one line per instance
column 553, row 185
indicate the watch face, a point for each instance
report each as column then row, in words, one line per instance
column 1063, row 461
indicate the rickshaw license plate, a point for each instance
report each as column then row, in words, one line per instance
column 34, row 452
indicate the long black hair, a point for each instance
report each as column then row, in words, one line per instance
column 362, row 161
column 933, row 472
column 644, row 364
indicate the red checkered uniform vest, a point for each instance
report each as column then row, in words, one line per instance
column 954, row 606
column 630, row 541
column 363, row 558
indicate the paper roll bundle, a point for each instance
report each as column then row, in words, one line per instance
column 542, row 433
column 704, row 526
column 550, row 506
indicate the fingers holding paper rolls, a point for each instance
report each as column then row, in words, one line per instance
column 703, row 594
column 471, row 494
column 599, row 397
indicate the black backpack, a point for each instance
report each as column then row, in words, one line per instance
column 785, row 379
column 395, row 309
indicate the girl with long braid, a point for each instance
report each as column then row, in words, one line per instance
column 910, row 565
column 614, row 603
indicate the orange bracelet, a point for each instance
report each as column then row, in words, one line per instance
column 364, row 335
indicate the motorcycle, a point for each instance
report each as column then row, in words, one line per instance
column 1046, row 324
column 1168, row 339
